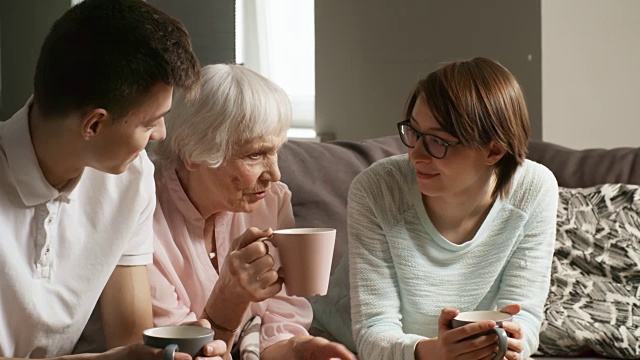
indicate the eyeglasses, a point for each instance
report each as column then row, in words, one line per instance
column 435, row 146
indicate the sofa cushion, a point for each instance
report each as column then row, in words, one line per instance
column 319, row 175
column 594, row 299
column 590, row 167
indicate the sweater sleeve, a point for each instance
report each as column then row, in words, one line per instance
column 526, row 276
column 375, row 294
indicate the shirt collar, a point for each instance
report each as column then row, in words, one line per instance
column 32, row 186
column 168, row 179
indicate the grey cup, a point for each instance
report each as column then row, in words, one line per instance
column 186, row 339
column 471, row 317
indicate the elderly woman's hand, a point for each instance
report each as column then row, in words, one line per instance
column 248, row 271
column 247, row 275
column 307, row 348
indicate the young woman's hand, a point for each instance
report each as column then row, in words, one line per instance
column 514, row 332
column 453, row 343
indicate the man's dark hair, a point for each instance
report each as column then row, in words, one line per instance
column 108, row 54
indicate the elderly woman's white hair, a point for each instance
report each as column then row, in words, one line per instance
column 235, row 105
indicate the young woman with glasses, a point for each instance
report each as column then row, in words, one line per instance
column 461, row 222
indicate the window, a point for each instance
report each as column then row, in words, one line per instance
column 276, row 38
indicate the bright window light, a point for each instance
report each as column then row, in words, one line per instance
column 299, row 133
column 276, row 38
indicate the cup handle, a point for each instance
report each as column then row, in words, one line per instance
column 502, row 343
column 273, row 242
column 169, row 352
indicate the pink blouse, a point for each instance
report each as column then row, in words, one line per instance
column 182, row 275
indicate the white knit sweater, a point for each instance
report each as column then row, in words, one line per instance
column 403, row 272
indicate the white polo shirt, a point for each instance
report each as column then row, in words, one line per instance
column 59, row 248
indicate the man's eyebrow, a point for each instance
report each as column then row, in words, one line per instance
column 159, row 116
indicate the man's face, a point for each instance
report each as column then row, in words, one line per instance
column 122, row 141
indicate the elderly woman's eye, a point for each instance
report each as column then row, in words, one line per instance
column 254, row 156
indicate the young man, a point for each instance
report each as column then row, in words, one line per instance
column 76, row 186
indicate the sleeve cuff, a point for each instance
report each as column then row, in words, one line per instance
column 135, row 260
column 409, row 343
column 265, row 341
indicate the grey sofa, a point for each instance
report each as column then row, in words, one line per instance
column 319, row 175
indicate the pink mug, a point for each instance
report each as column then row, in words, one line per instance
column 305, row 255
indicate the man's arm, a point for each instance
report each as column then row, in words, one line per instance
column 68, row 357
column 125, row 306
column 132, row 352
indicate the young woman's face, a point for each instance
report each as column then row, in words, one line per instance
column 458, row 173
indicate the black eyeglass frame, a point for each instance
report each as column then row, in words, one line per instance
column 422, row 136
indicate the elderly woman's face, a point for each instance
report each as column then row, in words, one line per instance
column 243, row 180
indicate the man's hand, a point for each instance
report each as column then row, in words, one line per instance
column 139, row 352
column 214, row 350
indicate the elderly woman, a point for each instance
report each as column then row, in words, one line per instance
column 218, row 194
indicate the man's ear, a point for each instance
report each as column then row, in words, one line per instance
column 93, row 121
column 495, row 152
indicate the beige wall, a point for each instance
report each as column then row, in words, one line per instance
column 23, row 27
column 370, row 53
column 25, row 23
column 211, row 25
column 591, row 72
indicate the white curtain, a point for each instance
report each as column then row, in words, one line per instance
column 277, row 39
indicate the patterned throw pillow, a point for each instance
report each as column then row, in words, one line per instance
column 248, row 345
column 594, row 299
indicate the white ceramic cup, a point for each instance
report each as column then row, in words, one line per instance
column 186, row 339
column 470, row 317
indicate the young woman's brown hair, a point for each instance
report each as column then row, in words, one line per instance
column 479, row 101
